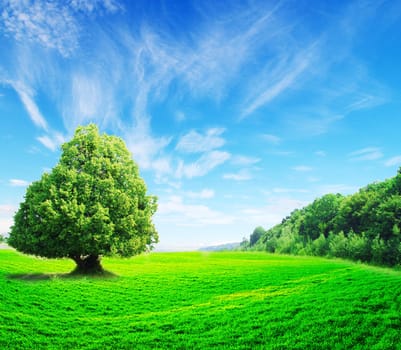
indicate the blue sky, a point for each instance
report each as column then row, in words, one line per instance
column 237, row 112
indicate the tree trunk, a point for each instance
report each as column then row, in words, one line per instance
column 87, row 264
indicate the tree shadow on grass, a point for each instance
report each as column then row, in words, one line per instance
column 33, row 277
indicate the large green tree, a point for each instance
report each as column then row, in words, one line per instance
column 92, row 204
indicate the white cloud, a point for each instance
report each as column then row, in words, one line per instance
column 206, row 193
column 242, row 175
column 18, row 183
column 175, row 210
column 369, row 153
column 50, row 24
column 194, row 142
column 393, row 161
column 203, row 165
column 302, row 168
column 147, row 149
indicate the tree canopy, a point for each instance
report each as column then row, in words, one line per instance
column 93, row 203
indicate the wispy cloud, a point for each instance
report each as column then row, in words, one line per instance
column 90, row 99
column 51, row 24
column 242, row 175
column 369, row 153
column 323, row 72
column 366, row 100
column 26, row 96
column 91, row 6
column 146, row 149
column 194, row 142
column 206, row 193
column 283, row 78
column 174, row 209
column 225, row 46
column 393, row 161
column 202, row 166
column 52, row 142
column 44, row 28
column 18, row 183
column 307, row 123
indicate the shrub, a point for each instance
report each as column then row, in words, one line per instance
column 358, row 247
column 338, row 245
column 320, row 246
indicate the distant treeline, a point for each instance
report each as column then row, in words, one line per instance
column 364, row 226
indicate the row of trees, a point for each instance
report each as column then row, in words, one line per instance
column 364, row 226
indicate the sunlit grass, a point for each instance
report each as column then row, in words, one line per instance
column 198, row 301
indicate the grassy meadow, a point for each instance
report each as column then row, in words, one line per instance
column 232, row 300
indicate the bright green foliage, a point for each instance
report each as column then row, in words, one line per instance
column 364, row 226
column 256, row 234
column 319, row 247
column 93, row 203
column 319, row 218
column 234, row 300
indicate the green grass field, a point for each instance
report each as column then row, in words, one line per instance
column 199, row 301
